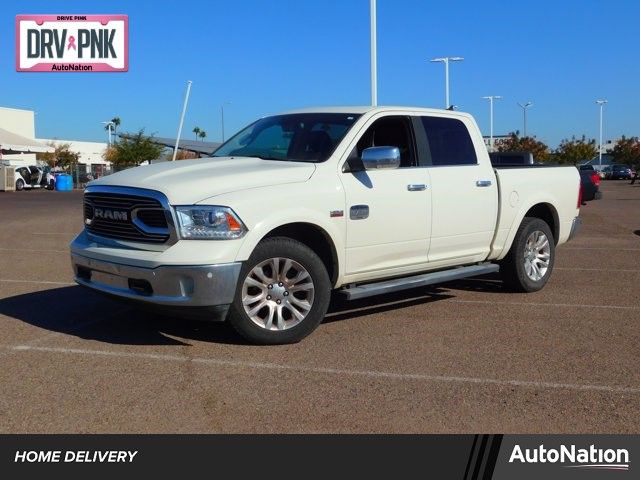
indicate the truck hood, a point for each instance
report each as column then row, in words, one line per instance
column 188, row 182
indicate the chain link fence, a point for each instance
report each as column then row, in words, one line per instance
column 83, row 173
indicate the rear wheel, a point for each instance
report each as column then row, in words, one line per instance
column 282, row 294
column 528, row 265
column 19, row 184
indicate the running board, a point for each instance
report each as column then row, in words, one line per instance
column 397, row 284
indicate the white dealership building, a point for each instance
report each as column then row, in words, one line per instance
column 18, row 143
column 90, row 153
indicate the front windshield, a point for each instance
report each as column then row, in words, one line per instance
column 297, row 137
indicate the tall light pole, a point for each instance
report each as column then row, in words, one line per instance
column 374, row 55
column 446, row 61
column 184, row 110
column 222, row 117
column 109, row 125
column 601, row 103
column 491, row 98
column 524, row 107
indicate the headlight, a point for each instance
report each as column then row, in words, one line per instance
column 197, row 222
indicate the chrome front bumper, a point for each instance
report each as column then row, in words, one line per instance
column 189, row 286
column 575, row 228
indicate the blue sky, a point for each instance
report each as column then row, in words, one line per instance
column 268, row 56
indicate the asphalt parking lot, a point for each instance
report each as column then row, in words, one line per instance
column 463, row 357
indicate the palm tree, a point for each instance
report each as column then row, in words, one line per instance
column 196, row 130
column 202, row 134
column 115, row 123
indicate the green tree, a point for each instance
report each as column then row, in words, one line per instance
column 61, row 157
column 515, row 143
column 202, row 134
column 627, row 151
column 571, row 151
column 132, row 150
column 196, row 130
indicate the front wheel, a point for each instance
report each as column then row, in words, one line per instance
column 528, row 265
column 19, row 184
column 282, row 294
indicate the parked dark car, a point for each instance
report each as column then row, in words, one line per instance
column 590, row 181
column 619, row 172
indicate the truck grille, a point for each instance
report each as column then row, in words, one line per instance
column 125, row 217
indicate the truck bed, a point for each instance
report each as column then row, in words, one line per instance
column 555, row 186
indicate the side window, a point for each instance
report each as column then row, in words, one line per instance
column 449, row 142
column 389, row 132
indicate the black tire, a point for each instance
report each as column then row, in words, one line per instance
column 19, row 184
column 284, row 248
column 512, row 267
column 51, row 185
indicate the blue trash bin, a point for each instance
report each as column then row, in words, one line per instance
column 64, row 182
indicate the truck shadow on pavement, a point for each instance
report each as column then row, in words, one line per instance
column 491, row 283
column 84, row 314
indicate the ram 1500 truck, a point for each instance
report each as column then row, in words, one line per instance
column 361, row 200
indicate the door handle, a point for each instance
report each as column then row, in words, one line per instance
column 416, row 187
column 483, row 183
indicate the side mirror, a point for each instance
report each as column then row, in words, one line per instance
column 374, row 158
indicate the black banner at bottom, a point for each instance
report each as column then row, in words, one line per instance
column 464, row 457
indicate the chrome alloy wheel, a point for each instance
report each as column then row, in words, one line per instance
column 277, row 294
column 537, row 255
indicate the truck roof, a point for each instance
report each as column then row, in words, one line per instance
column 370, row 109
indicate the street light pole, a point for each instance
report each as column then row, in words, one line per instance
column 374, row 54
column 184, row 110
column 491, row 98
column 601, row 103
column 222, row 117
column 524, row 115
column 109, row 126
column 446, row 61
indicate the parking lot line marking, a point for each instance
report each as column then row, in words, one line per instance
column 45, row 282
column 531, row 304
column 561, row 249
column 32, row 250
column 331, row 371
column 43, row 338
column 578, row 269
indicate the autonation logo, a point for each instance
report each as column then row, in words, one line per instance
column 574, row 457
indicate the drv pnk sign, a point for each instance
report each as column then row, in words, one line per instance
column 72, row 43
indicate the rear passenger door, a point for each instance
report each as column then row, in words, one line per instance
column 464, row 191
column 34, row 178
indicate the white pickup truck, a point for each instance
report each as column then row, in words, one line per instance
column 360, row 200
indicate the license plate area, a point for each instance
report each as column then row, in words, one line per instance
column 114, row 281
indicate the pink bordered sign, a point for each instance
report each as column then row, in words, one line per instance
column 72, row 43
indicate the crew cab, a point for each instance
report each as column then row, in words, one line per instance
column 361, row 200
